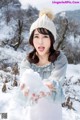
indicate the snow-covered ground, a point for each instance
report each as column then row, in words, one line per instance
column 71, row 88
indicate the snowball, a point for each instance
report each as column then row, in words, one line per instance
column 33, row 81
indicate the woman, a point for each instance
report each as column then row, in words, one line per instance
column 51, row 66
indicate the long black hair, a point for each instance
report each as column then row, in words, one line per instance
column 53, row 54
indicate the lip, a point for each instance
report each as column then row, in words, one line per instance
column 41, row 48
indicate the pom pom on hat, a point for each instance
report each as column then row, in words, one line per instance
column 44, row 21
column 47, row 12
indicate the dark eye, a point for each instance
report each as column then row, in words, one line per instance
column 36, row 36
column 46, row 36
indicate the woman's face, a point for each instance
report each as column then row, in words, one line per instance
column 41, row 43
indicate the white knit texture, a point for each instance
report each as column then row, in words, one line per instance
column 44, row 22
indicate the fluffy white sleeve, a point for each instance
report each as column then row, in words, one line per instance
column 23, row 66
column 59, row 72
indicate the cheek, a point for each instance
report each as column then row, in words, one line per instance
column 48, row 44
column 34, row 43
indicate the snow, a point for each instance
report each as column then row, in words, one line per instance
column 35, row 90
column 9, row 55
column 63, row 14
column 71, row 86
column 7, row 31
column 74, row 41
column 72, row 70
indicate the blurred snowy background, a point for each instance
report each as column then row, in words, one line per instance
column 14, row 32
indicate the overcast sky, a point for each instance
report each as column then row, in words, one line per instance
column 55, row 5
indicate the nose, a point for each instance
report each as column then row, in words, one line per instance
column 40, row 41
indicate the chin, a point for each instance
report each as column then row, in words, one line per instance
column 41, row 53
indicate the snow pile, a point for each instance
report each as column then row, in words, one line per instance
column 71, row 89
column 34, row 86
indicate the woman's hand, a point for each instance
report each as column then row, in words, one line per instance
column 50, row 86
column 24, row 90
column 22, row 86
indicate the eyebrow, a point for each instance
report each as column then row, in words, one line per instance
column 36, row 34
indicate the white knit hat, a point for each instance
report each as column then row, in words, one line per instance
column 44, row 21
